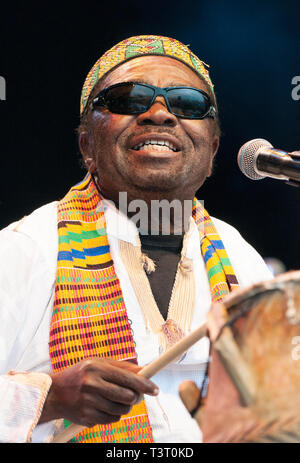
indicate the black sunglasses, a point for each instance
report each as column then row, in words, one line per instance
column 136, row 98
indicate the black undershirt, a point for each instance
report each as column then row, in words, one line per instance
column 165, row 251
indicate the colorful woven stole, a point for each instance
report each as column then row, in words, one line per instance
column 220, row 273
column 89, row 315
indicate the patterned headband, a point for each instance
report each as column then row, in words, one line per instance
column 139, row 46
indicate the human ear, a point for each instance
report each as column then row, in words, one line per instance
column 214, row 149
column 85, row 146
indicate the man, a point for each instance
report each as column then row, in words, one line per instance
column 85, row 296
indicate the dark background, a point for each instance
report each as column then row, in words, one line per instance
column 253, row 50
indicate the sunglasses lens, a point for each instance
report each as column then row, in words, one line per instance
column 187, row 102
column 128, row 99
column 135, row 98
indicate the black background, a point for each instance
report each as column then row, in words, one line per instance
column 253, row 50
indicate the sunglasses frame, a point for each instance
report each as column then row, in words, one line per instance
column 99, row 100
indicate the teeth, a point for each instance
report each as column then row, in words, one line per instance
column 157, row 144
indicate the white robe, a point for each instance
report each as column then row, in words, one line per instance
column 28, row 259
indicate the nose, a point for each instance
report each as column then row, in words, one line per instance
column 157, row 114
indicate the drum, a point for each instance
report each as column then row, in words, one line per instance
column 253, row 393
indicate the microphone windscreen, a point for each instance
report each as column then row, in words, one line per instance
column 247, row 157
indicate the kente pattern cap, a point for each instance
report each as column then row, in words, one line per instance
column 134, row 47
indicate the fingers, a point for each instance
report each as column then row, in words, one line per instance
column 94, row 408
column 97, row 371
column 126, row 365
column 116, row 393
column 111, row 388
column 129, row 380
column 189, row 394
column 94, row 416
column 96, row 391
column 109, row 407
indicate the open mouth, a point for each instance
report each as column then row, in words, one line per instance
column 156, row 145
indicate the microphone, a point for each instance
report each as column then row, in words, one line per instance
column 258, row 159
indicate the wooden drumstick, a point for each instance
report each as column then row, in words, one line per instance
column 148, row 371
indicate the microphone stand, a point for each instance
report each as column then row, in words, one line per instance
column 296, row 157
column 280, row 165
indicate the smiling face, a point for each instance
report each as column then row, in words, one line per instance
column 153, row 154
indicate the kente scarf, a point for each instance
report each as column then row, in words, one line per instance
column 89, row 315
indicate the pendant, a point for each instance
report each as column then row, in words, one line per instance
column 173, row 333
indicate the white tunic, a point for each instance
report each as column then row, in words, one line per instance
column 28, row 259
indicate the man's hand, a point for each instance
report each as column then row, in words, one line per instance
column 95, row 391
